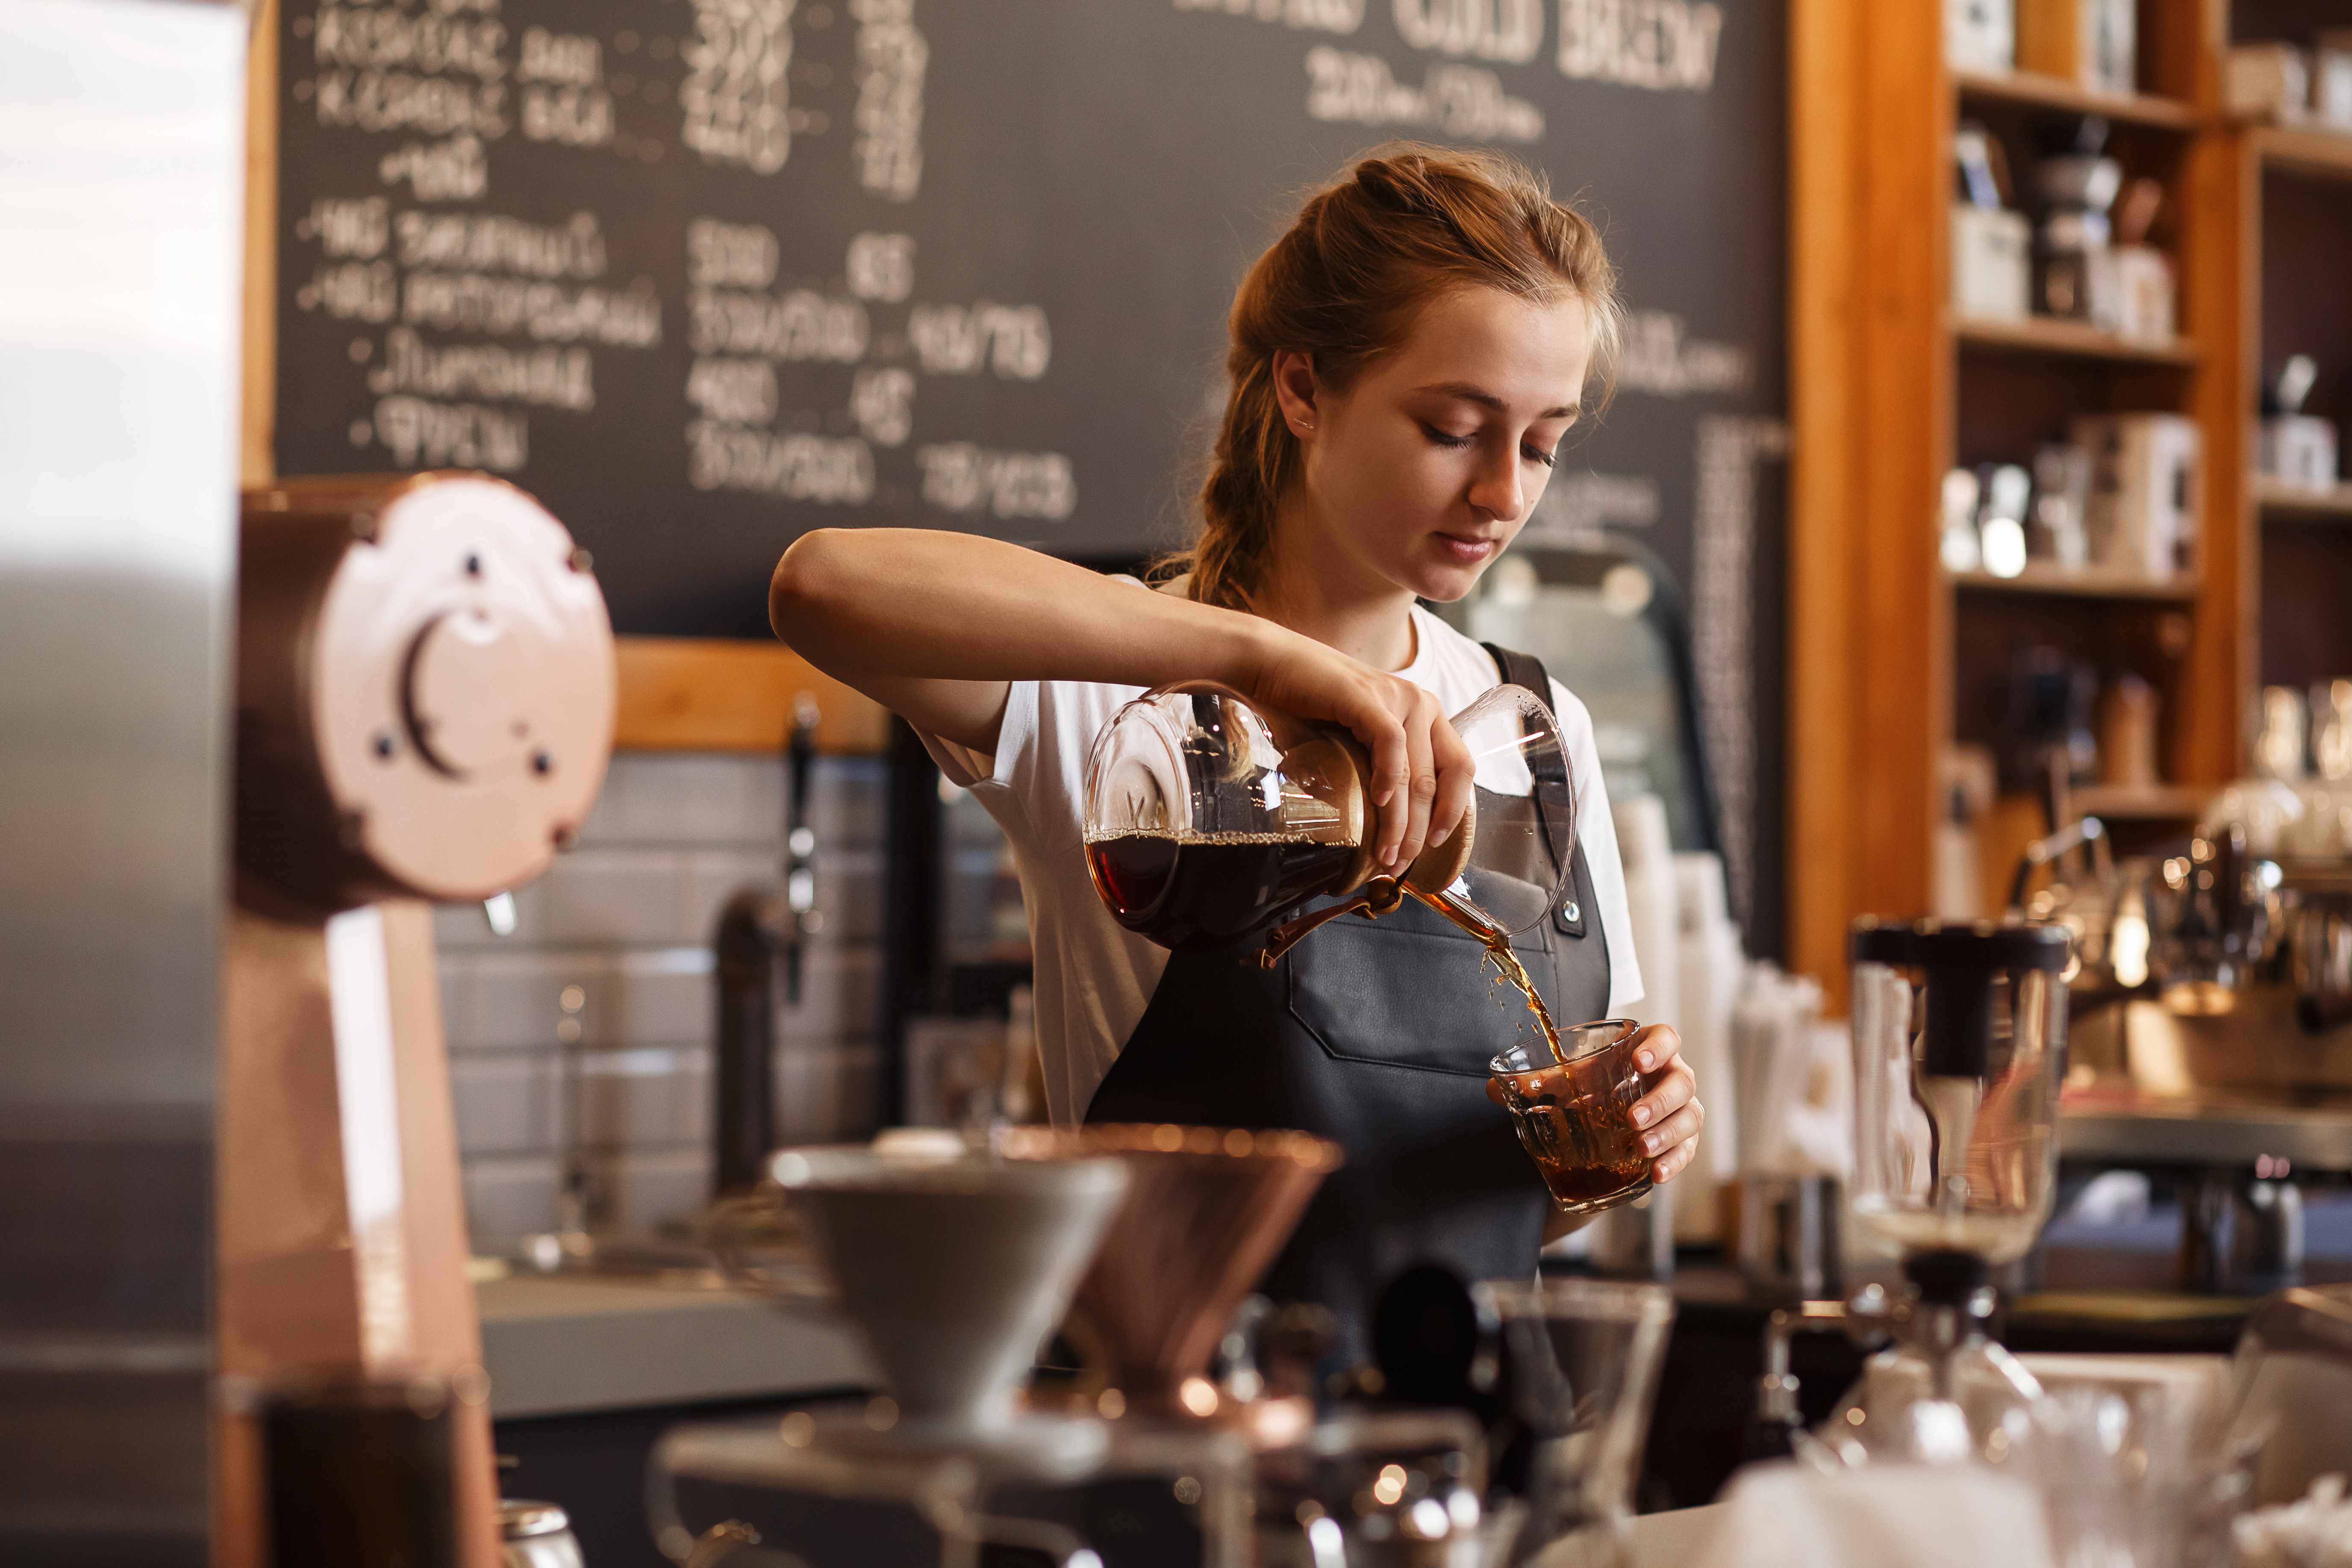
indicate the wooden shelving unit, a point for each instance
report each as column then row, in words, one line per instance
column 2294, row 504
column 2298, row 184
column 2040, row 334
column 2325, row 153
column 2069, row 339
column 2141, row 803
column 2084, row 582
column 2039, row 91
column 1892, row 659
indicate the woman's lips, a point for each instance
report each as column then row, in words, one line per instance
column 1465, row 551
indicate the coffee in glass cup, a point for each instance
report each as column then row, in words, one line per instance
column 1574, row 1116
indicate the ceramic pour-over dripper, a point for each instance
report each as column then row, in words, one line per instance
column 1206, row 1210
column 952, row 1269
column 1210, row 819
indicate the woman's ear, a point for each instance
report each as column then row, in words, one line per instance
column 1294, row 388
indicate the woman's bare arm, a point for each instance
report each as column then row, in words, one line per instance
column 935, row 626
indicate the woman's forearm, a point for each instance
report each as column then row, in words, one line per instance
column 911, row 604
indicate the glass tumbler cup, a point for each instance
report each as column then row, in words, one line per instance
column 1574, row 1117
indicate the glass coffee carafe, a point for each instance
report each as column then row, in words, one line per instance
column 1210, row 820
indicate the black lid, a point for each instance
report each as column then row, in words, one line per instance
column 1981, row 946
column 1948, row 1277
column 1960, row 959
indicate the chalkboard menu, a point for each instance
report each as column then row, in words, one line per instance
column 706, row 274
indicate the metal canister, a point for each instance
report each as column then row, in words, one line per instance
column 537, row 1535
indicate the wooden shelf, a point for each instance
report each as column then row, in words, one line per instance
column 2086, row 582
column 2277, row 499
column 2141, row 803
column 2327, row 153
column 2036, row 90
column 2070, row 340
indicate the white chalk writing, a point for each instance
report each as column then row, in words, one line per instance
column 956, row 340
column 883, row 404
column 796, row 325
column 736, row 97
column 428, row 435
column 389, row 37
column 353, row 291
column 450, row 171
column 475, row 303
column 573, row 116
column 1722, row 653
column 344, row 228
column 1665, row 46
column 1507, row 30
column 737, row 391
column 492, row 244
column 882, row 267
column 795, row 467
column 1323, row 15
column 1658, row 359
column 1460, row 102
column 892, row 57
column 572, row 59
column 1577, row 505
column 729, row 255
column 551, row 377
column 960, row 476
column 398, row 101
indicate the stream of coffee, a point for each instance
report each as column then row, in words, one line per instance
column 1498, row 947
column 1575, row 1129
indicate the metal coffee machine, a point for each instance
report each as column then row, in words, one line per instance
column 424, row 698
column 2212, row 1035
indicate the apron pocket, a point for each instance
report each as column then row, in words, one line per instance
column 1412, row 990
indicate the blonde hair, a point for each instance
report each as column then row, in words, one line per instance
column 1406, row 224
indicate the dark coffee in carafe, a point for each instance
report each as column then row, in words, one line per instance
column 1199, row 892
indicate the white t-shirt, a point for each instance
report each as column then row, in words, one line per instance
column 1095, row 977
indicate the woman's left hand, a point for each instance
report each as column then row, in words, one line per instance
column 1668, row 1115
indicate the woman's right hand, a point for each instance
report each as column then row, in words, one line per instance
column 1422, row 771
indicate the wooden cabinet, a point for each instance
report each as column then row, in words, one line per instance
column 1892, row 659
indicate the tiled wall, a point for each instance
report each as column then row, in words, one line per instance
column 611, row 961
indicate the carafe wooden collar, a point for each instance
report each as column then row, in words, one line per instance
column 1434, row 869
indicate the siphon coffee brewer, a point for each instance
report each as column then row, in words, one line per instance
column 1959, row 1047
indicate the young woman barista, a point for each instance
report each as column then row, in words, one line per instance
column 1405, row 362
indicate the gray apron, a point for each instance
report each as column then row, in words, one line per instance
column 1375, row 1034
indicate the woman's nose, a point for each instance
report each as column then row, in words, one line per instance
column 1497, row 491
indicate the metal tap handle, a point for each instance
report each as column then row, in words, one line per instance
column 800, row 842
column 1774, row 1427
column 2042, row 851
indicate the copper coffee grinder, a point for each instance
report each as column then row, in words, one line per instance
column 425, row 696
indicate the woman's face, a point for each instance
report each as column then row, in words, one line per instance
column 1421, row 473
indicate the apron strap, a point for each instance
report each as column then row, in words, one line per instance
column 1525, row 669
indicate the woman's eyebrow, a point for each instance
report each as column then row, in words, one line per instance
column 1471, row 393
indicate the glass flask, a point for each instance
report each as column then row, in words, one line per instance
column 1960, row 1046
column 1211, row 819
column 1581, row 1359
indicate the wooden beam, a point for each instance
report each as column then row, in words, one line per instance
column 258, row 412
column 1825, row 335
column 1902, row 608
column 2221, row 287
column 696, row 694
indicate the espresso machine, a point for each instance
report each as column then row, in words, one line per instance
column 2212, row 1038
column 425, row 710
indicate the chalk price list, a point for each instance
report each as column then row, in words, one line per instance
column 469, row 324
